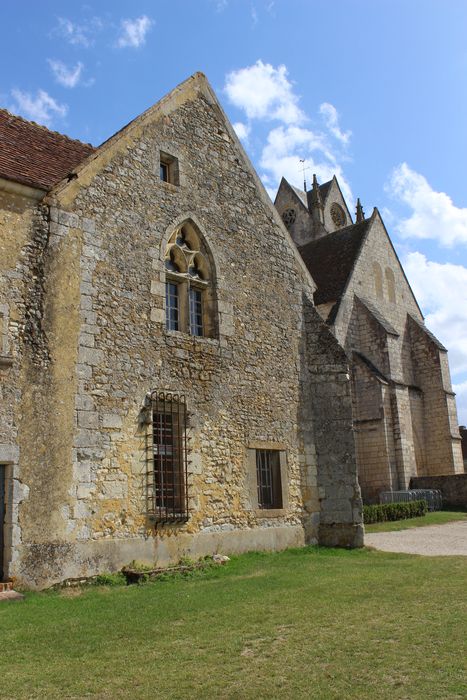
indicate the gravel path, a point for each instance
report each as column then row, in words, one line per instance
column 432, row 540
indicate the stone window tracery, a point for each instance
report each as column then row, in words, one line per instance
column 189, row 294
column 338, row 215
column 288, row 217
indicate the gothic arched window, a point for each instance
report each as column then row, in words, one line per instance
column 189, row 293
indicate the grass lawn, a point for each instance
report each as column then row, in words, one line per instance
column 439, row 517
column 308, row 623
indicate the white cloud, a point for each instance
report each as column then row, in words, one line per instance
column 133, row 32
column 285, row 147
column 254, row 16
column 441, row 290
column 68, row 77
column 242, row 130
column 42, row 108
column 433, row 215
column 461, row 400
column 78, row 34
column 264, row 92
column 331, row 119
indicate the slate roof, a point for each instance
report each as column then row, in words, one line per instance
column 301, row 195
column 378, row 316
column 331, row 259
column 33, row 155
column 373, row 369
column 430, row 335
column 324, row 189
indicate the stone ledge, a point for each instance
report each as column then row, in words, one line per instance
column 11, row 595
column 5, row 361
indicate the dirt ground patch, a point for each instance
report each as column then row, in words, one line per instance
column 433, row 540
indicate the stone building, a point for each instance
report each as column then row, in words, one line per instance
column 167, row 385
column 405, row 418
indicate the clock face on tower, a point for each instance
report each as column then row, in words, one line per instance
column 338, row 215
column 288, row 217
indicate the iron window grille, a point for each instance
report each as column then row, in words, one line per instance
column 167, row 475
column 268, row 475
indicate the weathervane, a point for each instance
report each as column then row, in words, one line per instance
column 303, row 161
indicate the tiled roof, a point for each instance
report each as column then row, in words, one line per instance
column 331, row 259
column 33, row 155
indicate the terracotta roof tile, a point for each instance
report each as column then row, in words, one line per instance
column 33, row 155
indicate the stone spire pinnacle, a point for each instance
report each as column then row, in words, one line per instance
column 360, row 214
column 317, row 209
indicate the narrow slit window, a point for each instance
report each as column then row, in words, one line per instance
column 196, row 311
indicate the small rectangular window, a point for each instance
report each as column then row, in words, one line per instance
column 172, row 311
column 164, row 172
column 196, row 312
column 168, row 169
column 168, row 488
column 268, row 476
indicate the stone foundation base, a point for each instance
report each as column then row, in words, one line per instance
column 341, row 535
column 42, row 565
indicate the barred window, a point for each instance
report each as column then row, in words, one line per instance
column 268, row 476
column 167, row 479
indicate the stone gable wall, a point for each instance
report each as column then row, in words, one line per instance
column 424, row 423
column 105, row 339
column 300, row 229
column 334, row 196
column 20, row 278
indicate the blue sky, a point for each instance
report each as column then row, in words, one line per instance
column 374, row 90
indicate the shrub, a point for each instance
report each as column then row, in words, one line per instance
column 394, row 511
column 108, row 579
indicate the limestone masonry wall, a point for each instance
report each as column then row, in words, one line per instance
column 452, row 486
column 264, row 380
column 379, row 318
